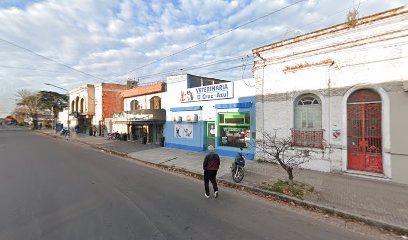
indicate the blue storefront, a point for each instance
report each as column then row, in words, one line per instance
column 225, row 118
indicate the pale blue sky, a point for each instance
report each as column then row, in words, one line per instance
column 108, row 38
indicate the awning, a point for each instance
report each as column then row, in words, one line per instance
column 234, row 105
column 183, row 109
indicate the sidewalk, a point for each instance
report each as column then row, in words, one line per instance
column 375, row 199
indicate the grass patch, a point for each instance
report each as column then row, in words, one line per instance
column 298, row 190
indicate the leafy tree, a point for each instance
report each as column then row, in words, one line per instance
column 53, row 101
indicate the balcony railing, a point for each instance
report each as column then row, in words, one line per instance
column 307, row 138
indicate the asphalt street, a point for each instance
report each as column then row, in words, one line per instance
column 54, row 189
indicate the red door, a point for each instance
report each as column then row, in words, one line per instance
column 364, row 134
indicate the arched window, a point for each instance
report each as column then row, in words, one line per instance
column 308, row 112
column 155, row 103
column 76, row 104
column 134, row 105
column 72, row 106
column 82, row 105
column 308, row 122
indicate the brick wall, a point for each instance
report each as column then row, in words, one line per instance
column 111, row 102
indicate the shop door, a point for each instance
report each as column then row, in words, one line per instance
column 364, row 133
column 210, row 134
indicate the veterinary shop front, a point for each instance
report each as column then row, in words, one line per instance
column 207, row 111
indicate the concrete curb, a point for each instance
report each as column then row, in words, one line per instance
column 258, row 191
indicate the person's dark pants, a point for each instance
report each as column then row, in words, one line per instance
column 210, row 175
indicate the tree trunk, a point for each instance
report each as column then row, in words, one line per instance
column 290, row 175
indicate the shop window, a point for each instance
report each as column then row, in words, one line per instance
column 81, row 105
column 72, row 106
column 308, row 122
column 76, row 104
column 134, row 105
column 222, row 120
column 234, row 129
column 155, row 103
column 234, row 118
column 235, row 136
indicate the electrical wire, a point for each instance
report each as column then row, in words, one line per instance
column 211, row 38
column 31, row 69
column 164, row 73
column 49, row 59
column 204, row 65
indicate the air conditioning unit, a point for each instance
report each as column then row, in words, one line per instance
column 178, row 119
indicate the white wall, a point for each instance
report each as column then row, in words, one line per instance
column 120, row 128
column 144, row 101
column 370, row 55
column 63, row 117
column 98, row 105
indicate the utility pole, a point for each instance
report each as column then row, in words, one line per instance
column 67, row 93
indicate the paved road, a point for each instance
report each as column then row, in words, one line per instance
column 52, row 189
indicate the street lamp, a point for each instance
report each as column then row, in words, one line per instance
column 52, row 85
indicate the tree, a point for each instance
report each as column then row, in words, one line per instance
column 30, row 102
column 51, row 100
column 20, row 114
column 282, row 151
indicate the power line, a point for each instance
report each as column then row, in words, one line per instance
column 211, row 38
column 33, row 69
column 164, row 73
column 49, row 59
column 193, row 67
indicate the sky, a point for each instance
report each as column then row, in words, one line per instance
column 69, row 43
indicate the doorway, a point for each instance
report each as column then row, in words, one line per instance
column 210, row 134
column 364, row 132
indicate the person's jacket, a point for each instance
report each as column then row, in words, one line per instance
column 211, row 162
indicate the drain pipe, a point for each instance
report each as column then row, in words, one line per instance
column 329, row 112
column 263, row 88
column 263, row 94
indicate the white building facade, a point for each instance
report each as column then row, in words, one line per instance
column 144, row 114
column 343, row 91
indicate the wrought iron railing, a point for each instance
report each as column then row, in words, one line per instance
column 308, row 138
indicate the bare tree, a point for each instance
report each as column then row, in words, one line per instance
column 282, row 151
column 30, row 102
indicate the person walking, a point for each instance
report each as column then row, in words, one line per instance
column 94, row 130
column 211, row 165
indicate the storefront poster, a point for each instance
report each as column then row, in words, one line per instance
column 183, row 131
column 210, row 92
column 336, row 134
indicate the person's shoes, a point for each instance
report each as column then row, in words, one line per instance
column 216, row 194
column 206, row 196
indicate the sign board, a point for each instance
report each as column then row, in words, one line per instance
column 206, row 93
column 123, row 116
column 183, row 131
